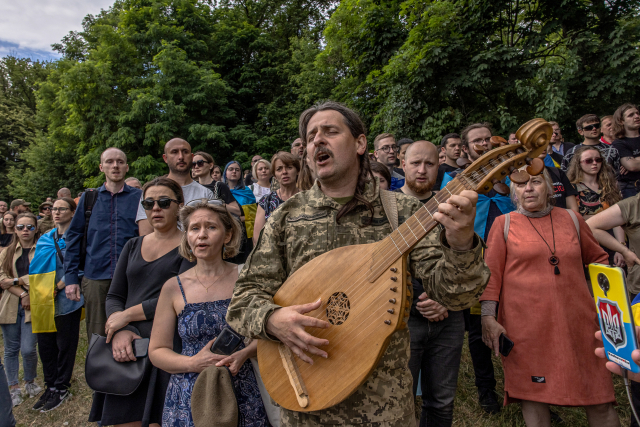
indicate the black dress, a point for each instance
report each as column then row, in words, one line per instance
column 136, row 281
column 5, row 240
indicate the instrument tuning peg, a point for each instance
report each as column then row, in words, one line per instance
column 519, row 177
column 536, row 166
column 479, row 148
column 501, row 188
column 463, row 163
column 498, row 141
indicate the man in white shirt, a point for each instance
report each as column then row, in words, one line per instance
column 177, row 155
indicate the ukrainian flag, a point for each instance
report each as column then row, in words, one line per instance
column 42, row 284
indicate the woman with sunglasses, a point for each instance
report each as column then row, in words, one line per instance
column 15, row 308
column 56, row 325
column 7, row 227
column 597, row 189
column 145, row 264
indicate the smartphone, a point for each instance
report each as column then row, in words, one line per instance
column 227, row 342
column 141, row 347
column 506, row 345
column 614, row 314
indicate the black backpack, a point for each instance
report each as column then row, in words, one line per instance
column 90, row 197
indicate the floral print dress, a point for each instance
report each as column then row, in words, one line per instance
column 198, row 324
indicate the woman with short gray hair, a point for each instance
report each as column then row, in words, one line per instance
column 536, row 257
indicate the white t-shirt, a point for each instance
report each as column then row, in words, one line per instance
column 191, row 191
column 259, row 191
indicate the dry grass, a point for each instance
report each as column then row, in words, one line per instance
column 467, row 412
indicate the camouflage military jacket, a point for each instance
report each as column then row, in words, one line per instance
column 305, row 227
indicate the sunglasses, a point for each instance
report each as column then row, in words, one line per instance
column 591, row 127
column 556, row 133
column 46, row 208
column 589, row 161
column 198, row 163
column 196, row 202
column 163, row 203
column 29, row 227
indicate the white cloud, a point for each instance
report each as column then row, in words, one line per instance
column 29, row 27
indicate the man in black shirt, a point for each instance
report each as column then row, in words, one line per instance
column 626, row 126
column 437, row 334
column 451, row 146
column 589, row 127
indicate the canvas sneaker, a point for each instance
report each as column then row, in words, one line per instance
column 16, row 396
column 32, row 389
column 43, row 399
column 56, row 399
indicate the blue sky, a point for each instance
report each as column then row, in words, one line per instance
column 29, row 27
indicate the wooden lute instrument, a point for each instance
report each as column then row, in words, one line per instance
column 364, row 288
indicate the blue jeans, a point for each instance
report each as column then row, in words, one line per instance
column 436, row 348
column 6, row 405
column 18, row 338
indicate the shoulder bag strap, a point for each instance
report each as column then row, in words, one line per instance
column 507, row 221
column 55, row 242
column 390, row 206
column 573, row 216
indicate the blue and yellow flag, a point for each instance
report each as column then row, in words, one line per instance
column 42, row 284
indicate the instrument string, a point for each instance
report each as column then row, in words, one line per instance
column 358, row 284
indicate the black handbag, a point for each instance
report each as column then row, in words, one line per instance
column 103, row 374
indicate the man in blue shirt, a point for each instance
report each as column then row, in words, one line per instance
column 111, row 225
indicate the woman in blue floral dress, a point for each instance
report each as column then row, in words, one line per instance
column 198, row 299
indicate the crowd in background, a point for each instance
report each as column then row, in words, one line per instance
column 160, row 261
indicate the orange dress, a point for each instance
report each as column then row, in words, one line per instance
column 550, row 318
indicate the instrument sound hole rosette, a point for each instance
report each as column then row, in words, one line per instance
column 338, row 307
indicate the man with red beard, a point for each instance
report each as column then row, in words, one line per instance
column 437, row 334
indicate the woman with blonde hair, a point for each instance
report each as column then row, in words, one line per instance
column 198, row 300
column 536, row 255
column 261, row 170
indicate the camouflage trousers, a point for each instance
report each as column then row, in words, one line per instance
column 302, row 419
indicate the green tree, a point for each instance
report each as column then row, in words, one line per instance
column 19, row 79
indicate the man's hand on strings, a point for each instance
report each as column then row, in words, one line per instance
column 457, row 214
column 288, row 325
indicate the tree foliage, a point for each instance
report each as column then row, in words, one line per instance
column 233, row 76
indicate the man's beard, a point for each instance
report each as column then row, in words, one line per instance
column 173, row 169
column 419, row 188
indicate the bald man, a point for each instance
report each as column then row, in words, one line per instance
column 420, row 165
column 64, row 192
column 178, row 157
column 110, row 226
column 437, row 334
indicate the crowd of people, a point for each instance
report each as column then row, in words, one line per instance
column 202, row 249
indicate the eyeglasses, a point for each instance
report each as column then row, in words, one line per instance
column 388, row 148
column 61, row 210
column 480, row 140
column 589, row 161
column 196, row 202
column 163, row 203
column 21, row 227
column 591, row 127
column 198, row 163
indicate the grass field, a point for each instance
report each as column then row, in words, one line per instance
column 75, row 411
